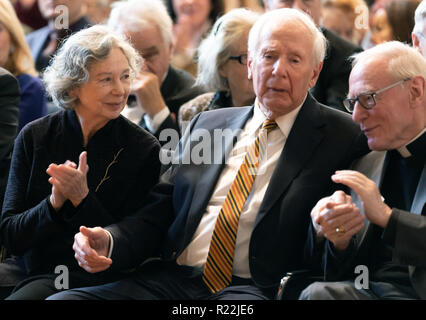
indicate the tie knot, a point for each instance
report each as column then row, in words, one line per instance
column 269, row 125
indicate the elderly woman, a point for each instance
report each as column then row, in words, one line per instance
column 223, row 66
column 15, row 56
column 83, row 166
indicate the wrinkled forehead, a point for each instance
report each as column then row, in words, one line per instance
column 284, row 30
column 367, row 75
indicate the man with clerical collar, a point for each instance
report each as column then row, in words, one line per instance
column 383, row 225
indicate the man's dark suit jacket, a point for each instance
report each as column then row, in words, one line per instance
column 9, row 115
column 321, row 141
column 332, row 85
column 176, row 89
column 39, row 39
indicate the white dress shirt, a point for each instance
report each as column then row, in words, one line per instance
column 195, row 254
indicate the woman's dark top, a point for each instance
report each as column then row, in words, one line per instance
column 123, row 166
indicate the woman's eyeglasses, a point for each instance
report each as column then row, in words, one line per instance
column 242, row 59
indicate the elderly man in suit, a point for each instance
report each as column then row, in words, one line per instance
column 230, row 227
column 160, row 89
column 9, row 111
column 388, row 99
column 332, row 85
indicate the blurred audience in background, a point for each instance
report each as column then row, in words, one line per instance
column 9, row 110
column 29, row 14
column 15, row 57
column 347, row 18
column 64, row 18
column 393, row 21
column 160, row 89
column 223, row 66
column 98, row 10
column 419, row 31
column 192, row 21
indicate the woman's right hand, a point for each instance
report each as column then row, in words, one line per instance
column 57, row 199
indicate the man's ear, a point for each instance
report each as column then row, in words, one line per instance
column 316, row 72
column 249, row 67
column 417, row 91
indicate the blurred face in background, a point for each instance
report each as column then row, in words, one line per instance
column 195, row 12
column 156, row 54
column 339, row 21
column 311, row 7
column 381, row 30
column 47, row 8
column 5, row 43
column 236, row 73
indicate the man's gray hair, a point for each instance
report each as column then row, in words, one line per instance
column 403, row 61
column 215, row 50
column 420, row 19
column 69, row 69
column 287, row 14
column 134, row 15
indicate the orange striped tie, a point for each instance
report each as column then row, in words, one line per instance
column 218, row 268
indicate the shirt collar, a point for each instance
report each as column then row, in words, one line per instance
column 284, row 122
column 412, row 147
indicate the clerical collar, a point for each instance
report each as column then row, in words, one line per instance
column 415, row 146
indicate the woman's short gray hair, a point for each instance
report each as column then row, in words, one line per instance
column 403, row 61
column 69, row 69
column 215, row 50
column 285, row 14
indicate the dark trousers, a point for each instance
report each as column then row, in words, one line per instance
column 42, row 286
column 346, row 290
column 159, row 280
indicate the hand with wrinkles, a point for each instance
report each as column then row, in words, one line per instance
column 337, row 219
column 146, row 87
column 376, row 211
column 91, row 247
column 57, row 199
column 68, row 181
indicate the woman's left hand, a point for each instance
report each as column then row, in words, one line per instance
column 69, row 181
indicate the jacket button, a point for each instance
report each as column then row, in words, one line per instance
column 174, row 253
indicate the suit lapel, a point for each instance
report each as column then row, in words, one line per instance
column 209, row 177
column 372, row 165
column 304, row 136
column 419, row 201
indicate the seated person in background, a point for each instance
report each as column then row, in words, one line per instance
column 85, row 165
column 192, row 20
column 419, row 31
column 223, row 66
column 394, row 21
column 332, row 84
column 388, row 99
column 64, row 17
column 160, row 89
column 9, row 110
column 347, row 18
column 248, row 217
column 15, row 56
